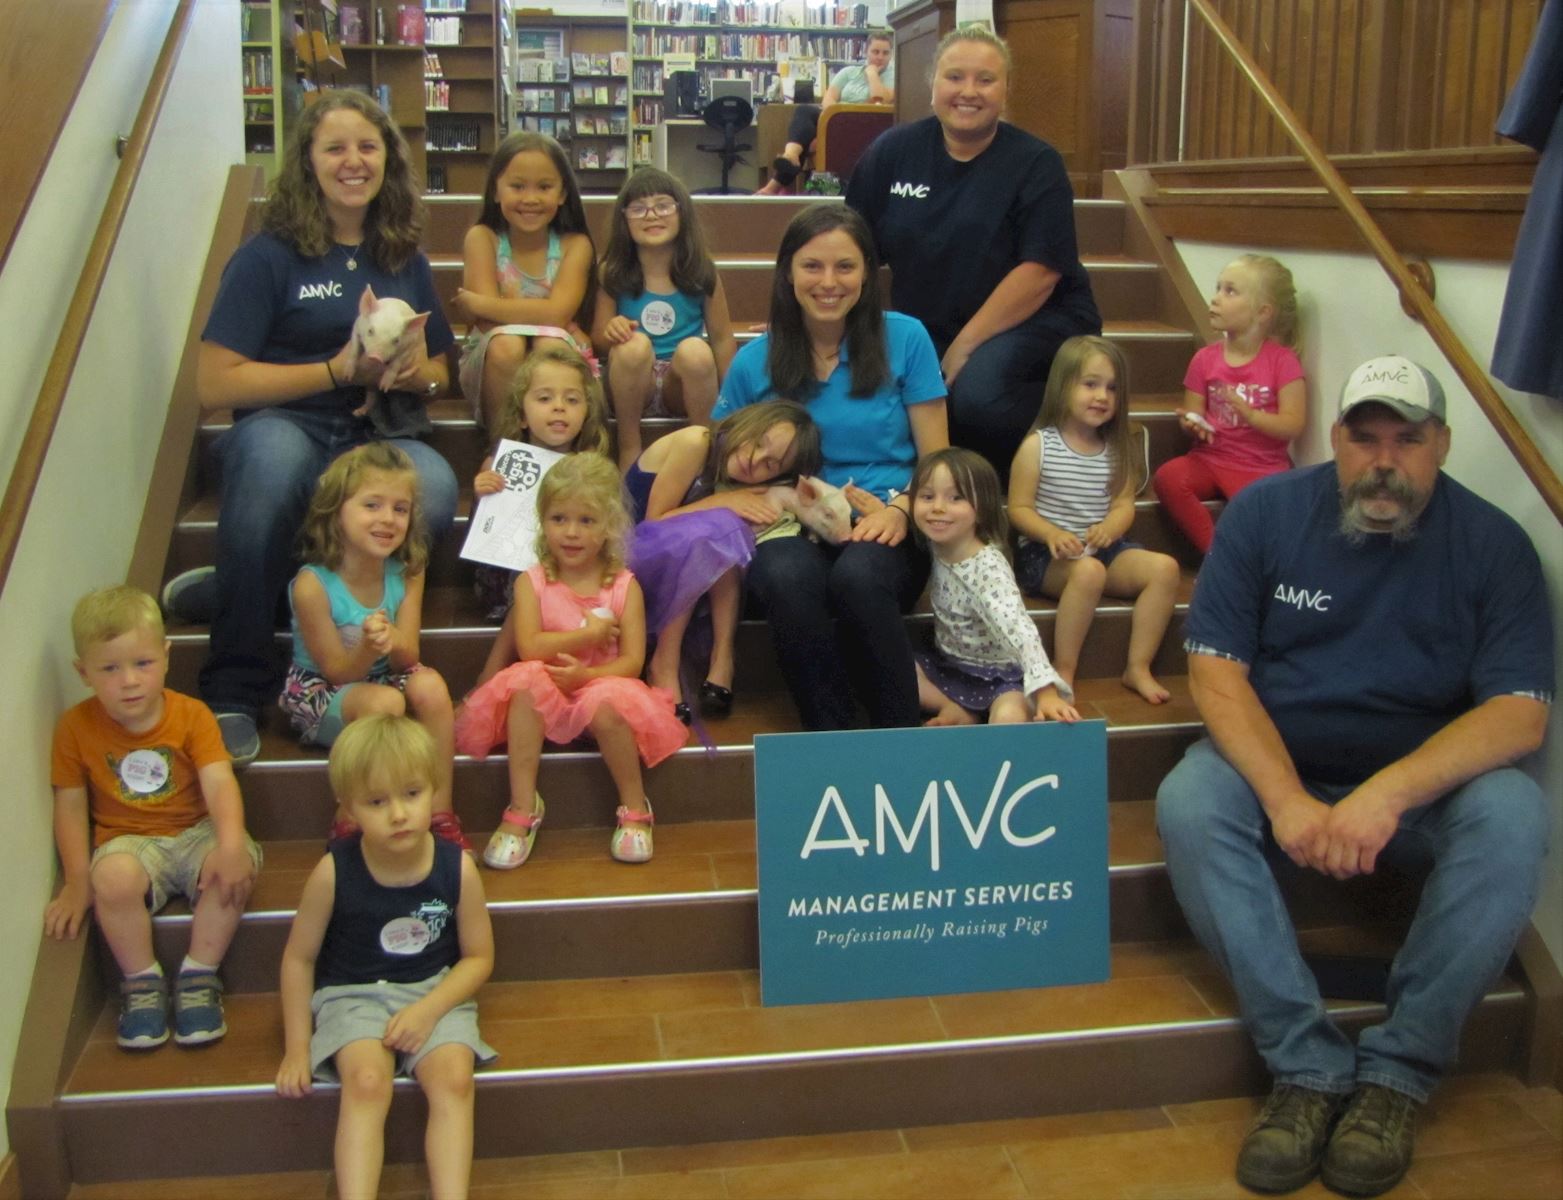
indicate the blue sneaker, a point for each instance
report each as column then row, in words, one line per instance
column 191, row 596
column 198, row 1008
column 241, row 737
column 143, row 1012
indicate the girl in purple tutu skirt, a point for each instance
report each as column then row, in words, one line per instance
column 580, row 626
column 700, row 496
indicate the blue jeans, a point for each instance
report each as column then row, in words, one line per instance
column 270, row 461
column 1484, row 843
column 835, row 618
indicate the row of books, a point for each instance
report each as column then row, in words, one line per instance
column 565, row 128
column 454, row 135
column 445, row 5
column 257, row 112
column 683, row 12
column 648, row 77
column 406, row 22
column 591, row 158
column 615, row 63
column 753, row 46
column 587, row 93
column 257, row 69
column 442, row 31
column 642, row 148
column 648, row 111
column 436, row 94
column 255, row 22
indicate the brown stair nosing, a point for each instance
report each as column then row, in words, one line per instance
column 563, row 1110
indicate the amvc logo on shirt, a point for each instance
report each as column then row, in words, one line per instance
column 1301, row 598
column 319, row 291
column 917, row 191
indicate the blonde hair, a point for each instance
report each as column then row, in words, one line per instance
column 593, row 435
column 382, row 750
column 592, row 480
column 1279, row 292
column 1068, row 366
column 110, row 612
column 320, row 541
column 971, row 33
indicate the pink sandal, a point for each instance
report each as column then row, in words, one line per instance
column 511, row 843
column 632, row 839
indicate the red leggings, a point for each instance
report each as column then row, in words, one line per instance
column 1182, row 483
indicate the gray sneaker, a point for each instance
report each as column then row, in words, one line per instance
column 241, row 738
column 1370, row 1149
column 191, row 597
column 1285, row 1144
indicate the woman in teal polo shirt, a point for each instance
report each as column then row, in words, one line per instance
column 871, row 382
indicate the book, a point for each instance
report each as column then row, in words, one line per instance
column 615, row 157
column 352, row 29
column 409, row 24
column 619, row 62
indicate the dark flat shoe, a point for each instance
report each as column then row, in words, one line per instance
column 715, row 700
column 784, row 170
column 682, row 712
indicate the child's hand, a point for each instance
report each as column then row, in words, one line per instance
column 863, row 503
column 229, row 872
column 752, row 506
column 65, row 913
column 1196, row 426
column 409, row 1028
column 1052, row 707
column 378, row 630
column 567, row 672
column 600, row 629
column 294, row 1079
column 1063, row 544
column 619, row 330
column 487, row 483
column 1098, row 536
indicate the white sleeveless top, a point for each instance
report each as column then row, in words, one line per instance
column 1073, row 489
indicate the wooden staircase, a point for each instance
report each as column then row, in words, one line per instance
column 625, row 1001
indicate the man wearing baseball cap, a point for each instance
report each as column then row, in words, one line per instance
column 1371, row 650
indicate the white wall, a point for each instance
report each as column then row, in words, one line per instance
column 1351, row 312
column 87, row 509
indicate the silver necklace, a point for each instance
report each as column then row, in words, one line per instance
column 351, row 253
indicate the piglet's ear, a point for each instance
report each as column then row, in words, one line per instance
column 808, row 487
column 366, row 302
column 416, row 321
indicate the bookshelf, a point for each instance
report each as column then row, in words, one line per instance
column 468, row 47
column 260, row 52
column 573, row 83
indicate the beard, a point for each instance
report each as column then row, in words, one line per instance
column 1356, row 524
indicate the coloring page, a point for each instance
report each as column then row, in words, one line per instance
column 503, row 532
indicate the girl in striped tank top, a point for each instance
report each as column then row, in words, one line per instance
column 1071, row 498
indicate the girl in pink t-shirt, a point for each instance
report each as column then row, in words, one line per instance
column 1244, row 399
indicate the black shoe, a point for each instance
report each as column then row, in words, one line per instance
column 1370, row 1150
column 682, row 712
column 715, row 700
column 1284, row 1146
column 784, row 171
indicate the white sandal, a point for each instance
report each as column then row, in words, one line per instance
column 511, row 843
column 632, row 839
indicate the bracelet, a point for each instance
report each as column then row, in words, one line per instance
column 331, row 375
column 905, row 512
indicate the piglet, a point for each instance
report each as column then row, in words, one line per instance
column 384, row 336
column 820, row 507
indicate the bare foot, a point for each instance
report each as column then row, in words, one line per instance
column 951, row 714
column 1139, row 679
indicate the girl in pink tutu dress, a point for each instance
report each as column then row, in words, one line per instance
column 580, row 623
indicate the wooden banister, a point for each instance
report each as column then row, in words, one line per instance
column 67, row 348
column 1536, row 468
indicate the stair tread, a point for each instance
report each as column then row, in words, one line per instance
column 667, row 1019
column 693, row 858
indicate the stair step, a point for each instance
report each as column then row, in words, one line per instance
column 627, row 1061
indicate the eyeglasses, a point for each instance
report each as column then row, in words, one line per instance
column 662, row 208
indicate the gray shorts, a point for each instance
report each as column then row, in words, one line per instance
column 356, row 1012
column 173, row 864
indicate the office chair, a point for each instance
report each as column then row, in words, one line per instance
column 728, row 115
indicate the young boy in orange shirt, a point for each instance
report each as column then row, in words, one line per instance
column 146, row 805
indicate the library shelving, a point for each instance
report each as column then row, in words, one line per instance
column 573, row 83
column 467, row 46
column 261, row 57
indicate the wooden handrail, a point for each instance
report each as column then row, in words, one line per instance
column 28, row 467
column 1536, row 467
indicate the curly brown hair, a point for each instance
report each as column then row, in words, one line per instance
column 593, row 437
column 295, row 208
column 320, row 540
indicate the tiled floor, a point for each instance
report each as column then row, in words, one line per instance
column 1483, row 1136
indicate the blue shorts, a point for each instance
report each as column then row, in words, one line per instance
column 1032, row 559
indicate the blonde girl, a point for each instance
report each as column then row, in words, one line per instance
column 1071, row 498
column 660, row 289
column 1244, row 396
column 701, row 495
column 987, row 655
column 527, row 262
column 580, row 628
column 357, row 609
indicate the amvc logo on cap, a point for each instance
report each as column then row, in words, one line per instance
column 1384, row 374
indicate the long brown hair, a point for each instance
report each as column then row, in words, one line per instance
column 1068, row 366
column 320, row 540
column 693, row 270
column 295, row 209
column 749, row 425
column 789, row 357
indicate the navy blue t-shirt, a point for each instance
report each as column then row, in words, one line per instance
column 275, row 305
column 951, row 231
column 391, row 934
column 1361, row 653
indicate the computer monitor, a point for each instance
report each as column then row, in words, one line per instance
column 742, row 88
